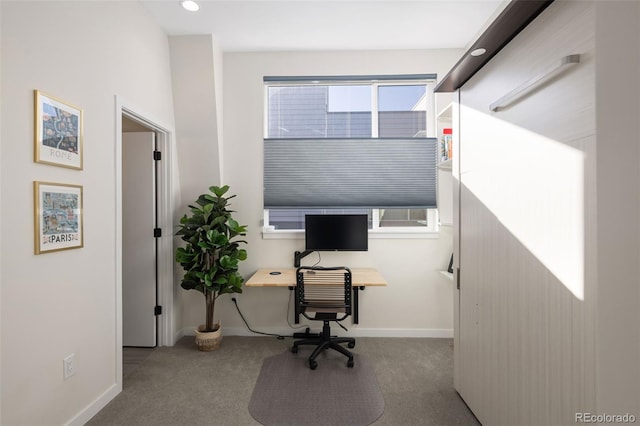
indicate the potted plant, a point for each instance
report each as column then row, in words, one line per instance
column 210, row 256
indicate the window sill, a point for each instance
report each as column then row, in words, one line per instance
column 377, row 234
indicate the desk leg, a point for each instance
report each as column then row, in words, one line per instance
column 296, row 314
column 356, row 290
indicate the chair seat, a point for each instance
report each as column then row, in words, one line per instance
column 340, row 310
column 330, row 316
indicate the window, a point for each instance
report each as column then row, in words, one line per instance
column 293, row 219
column 368, row 138
column 364, row 110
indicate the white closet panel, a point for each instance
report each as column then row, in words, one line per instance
column 526, row 306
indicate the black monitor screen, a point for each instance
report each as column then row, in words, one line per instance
column 331, row 232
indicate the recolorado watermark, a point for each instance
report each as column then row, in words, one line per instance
column 605, row 418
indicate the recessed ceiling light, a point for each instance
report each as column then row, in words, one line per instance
column 190, row 5
column 478, row 52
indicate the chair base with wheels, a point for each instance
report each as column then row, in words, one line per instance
column 325, row 341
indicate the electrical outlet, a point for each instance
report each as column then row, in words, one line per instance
column 69, row 366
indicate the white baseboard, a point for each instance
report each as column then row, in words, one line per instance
column 92, row 409
column 353, row 332
column 181, row 333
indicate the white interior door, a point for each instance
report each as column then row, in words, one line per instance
column 139, row 244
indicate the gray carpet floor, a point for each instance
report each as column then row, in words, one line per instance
column 333, row 394
column 133, row 358
column 180, row 385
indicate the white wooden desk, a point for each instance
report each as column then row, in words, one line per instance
column 360, row 278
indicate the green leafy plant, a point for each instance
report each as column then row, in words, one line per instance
column 212, row 251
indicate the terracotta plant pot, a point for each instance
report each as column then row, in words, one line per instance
column 208, row 340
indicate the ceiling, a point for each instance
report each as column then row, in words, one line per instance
column 281, row 25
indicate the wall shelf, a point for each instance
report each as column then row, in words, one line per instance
column 444, row 121
column 445, row 165
column 447, row 274
column 445, row 114
column 444, row 129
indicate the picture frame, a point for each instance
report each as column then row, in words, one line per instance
column 59, row 217
column 58, row 132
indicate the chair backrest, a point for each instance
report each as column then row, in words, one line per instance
column 323, row 290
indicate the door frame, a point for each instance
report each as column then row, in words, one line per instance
column 165, row 207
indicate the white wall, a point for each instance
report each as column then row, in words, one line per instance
column 196, row 83
column 196, row 71
column 418, row 300
column 60, row 303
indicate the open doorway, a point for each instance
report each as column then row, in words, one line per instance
column 144, row 232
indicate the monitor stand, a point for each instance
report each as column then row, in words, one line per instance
column 297, row 256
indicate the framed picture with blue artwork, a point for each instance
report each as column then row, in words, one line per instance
column 58, row 132
column 58, row 216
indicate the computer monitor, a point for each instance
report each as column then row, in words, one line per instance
column 336, row 232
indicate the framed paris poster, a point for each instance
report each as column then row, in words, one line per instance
column 58, row 132
column 58, row 217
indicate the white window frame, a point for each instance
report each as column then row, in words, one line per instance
column 377, row 231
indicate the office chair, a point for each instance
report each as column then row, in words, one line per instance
column 325, row 292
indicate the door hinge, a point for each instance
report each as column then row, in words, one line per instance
column 157, row 155
column 157, row 232
column 458, row 278
column 157, row 310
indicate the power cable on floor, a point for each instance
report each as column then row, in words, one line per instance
column 280, row 337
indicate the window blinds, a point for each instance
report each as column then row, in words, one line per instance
column 350, row 173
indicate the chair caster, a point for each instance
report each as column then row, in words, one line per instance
column 350, row 363
column 313, row 364
column 351, row 345
column 294, row 349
